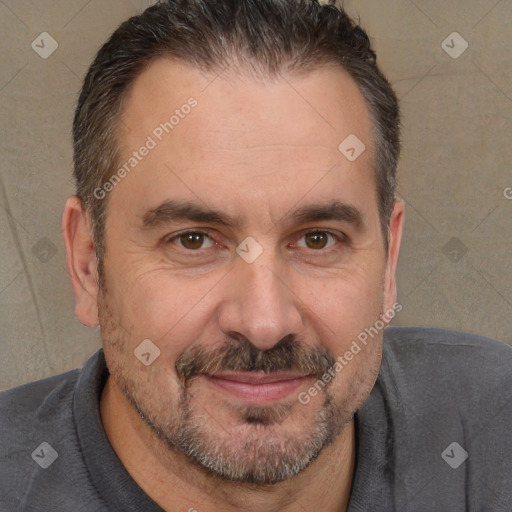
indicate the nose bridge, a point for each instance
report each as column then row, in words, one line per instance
column 260, row 306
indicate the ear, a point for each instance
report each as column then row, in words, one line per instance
column 81, row 261
column 396, row 224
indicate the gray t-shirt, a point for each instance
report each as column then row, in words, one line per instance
column 433, row 436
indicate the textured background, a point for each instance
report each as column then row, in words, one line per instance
column 456, row 171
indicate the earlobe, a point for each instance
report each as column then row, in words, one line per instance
column 81, row 261
column 396, row 224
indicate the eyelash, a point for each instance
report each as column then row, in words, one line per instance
column 343, row 239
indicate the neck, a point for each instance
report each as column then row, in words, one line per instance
column 175, row 483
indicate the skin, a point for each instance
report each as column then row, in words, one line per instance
column 257, row 150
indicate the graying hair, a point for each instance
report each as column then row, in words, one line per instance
column 266, row 36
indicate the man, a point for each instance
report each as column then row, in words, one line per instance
column 235, row 235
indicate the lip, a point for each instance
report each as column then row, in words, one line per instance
column 258, row 388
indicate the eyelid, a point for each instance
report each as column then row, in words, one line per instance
column 201, row 231
column 339, row 236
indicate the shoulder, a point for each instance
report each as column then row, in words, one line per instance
column 40, row 399
column 36, row 426
column 34, row 410
column 440, row 371
column 42, row 465
column 427, row 349
column 449, row 403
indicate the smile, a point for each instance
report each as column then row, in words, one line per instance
column 258, row 388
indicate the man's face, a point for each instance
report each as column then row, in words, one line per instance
column 287, row 303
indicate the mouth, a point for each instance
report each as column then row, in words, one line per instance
column 257, row 388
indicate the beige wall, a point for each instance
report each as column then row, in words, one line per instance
column 455, row 170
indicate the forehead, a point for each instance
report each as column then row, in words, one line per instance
column 326, row 99
column 284, row 131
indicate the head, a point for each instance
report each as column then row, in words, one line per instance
column 218, row 216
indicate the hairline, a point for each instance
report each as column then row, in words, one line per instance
column 247, row 70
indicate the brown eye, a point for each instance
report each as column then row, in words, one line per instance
column 317, row 239
column 192, row 240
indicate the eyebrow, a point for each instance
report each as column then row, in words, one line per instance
column 174, row 211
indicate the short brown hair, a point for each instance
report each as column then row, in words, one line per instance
column 268, row 36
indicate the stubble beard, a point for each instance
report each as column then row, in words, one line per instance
column 257, row 449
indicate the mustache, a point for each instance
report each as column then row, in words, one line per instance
column 240, row 355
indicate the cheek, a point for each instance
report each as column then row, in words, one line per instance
column 349, row 325
column 343, row 306
column 172, row 312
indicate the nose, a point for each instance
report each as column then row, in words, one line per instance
column 259, row 302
